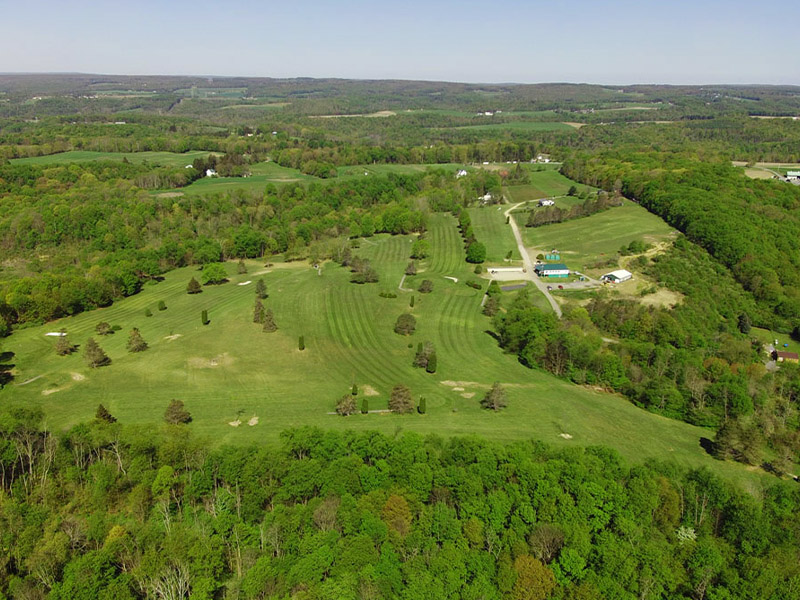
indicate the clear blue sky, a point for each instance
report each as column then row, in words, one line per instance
column 601, row 41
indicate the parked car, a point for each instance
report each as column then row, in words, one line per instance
column 561, row 287
column 549, row 287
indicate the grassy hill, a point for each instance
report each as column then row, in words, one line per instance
column 231, row 371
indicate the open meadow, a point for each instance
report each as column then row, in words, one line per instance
column 243, row 385
column 167, row 159
column 585, row 241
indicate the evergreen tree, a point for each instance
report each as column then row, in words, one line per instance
column 261, row 289
column 301, row 343
column 411, row 268
column 102, row 414
column 431, row 366
column 63, row 345
column 94, row 355
column 162, row 305
column 193, row 287
column 491, row 306
column 411, row 302
column 495, row 398
column 176, row 413
column 269, row 321
column 103, row 328
column 204, row 317
column 148, row 312
column 744, row 323
column 354, row 389
column 258, row 311
column 400, row 400
column 364, row 406
column 422, row 407
column 241, row 268
column 136, row 342
column 346, row 405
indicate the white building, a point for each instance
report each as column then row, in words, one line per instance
column 617, row 276
column 791, row 175
column 211, row 173
column 546, row 202
column 461, row 173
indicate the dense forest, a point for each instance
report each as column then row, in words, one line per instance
column 111, row 511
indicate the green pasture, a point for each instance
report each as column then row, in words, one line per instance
column 489, row 224
column 543, row 184
column 229, row 371
column 520, row 126
column 169, row 159
column 585, row 241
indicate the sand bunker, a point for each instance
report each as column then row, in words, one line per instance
column 245, row 283
column 566, row 436
column 468, row 395
column 253, row 421
column 50, row 391
column 368, row 390
column 223, row 360
column 235, row 423
column 460, row 384
column 55, row 334
column 173, row 337
column 458, row 389
column 77, row 376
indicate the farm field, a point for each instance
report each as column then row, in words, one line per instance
column 231, row 371
column 585, row 241
column 543, row 184
column 489, row 224
column 520, row 126
column 169, row 159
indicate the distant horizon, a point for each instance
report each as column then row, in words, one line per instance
column 339, row 78
column 520, row 41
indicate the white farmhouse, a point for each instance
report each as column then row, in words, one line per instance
column 617, row 276
column 461, row 173
column 546, row 202
column 211, row 173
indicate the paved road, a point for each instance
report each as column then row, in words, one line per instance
column 526, row 260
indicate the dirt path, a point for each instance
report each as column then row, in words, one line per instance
column 526, row 259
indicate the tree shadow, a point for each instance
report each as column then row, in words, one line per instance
column 493, row 335
column 6, row 356
column 707, row 445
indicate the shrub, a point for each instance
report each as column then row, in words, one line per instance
column 204, row 317
column 176, row 413
column 364, row 406
column 426, row 287
column 301, row 343
column 346, row 405
column 474, row 285
column 476, row 252
column 422, row 407
column 162, row 305
column 405, row 324
column 214, row 274
column 148, row 312
column 400, row 400
column 193, row 287
column 103, row 328
column 387, row 295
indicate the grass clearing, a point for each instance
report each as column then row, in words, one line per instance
column 489, row 224
column 167, row 159
column 585, row 241
column 543, row 184
column 519, row 126
column 231, row 371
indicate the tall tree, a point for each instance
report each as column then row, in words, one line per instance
column 94, row 355
column 261, row 289
column 63, row 345
column 495, row 398
column 400, row 400
column 269, row 322
column 136, row 342
column 176, row 413
column 346, row 405
column 258, row 311
column 193, row 286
